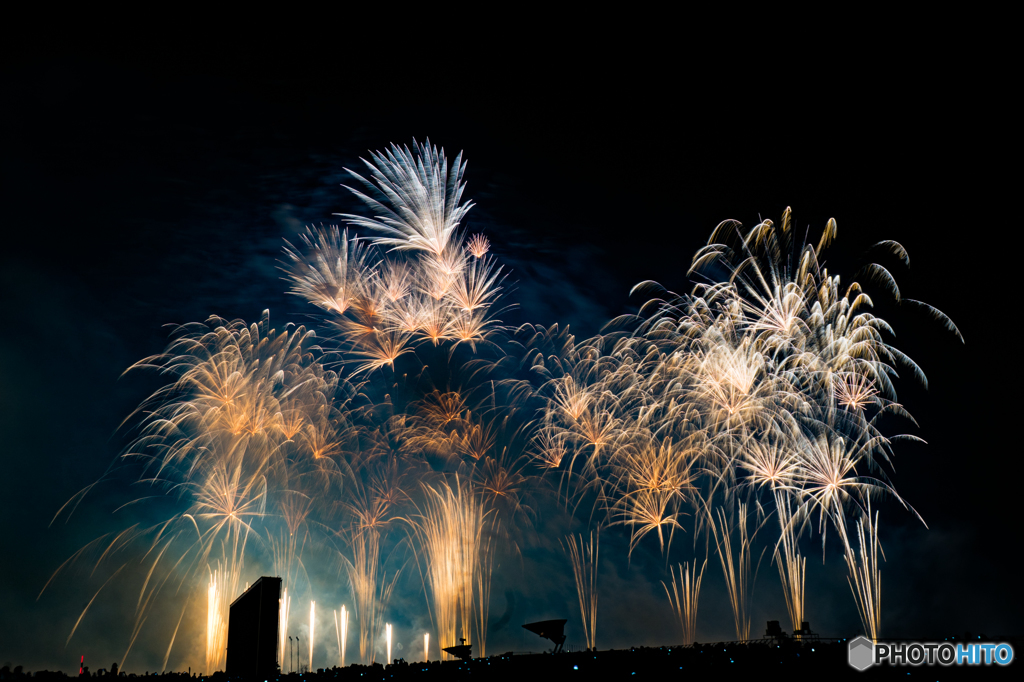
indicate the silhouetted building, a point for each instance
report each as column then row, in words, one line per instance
column 253, row 631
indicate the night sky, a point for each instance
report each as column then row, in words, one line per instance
column 145, row 187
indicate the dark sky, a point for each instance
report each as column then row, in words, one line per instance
column 145, row 186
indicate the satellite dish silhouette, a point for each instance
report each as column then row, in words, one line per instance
column 463, row 651
column 550, row 629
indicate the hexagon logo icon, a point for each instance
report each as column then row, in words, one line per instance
column 862, row 653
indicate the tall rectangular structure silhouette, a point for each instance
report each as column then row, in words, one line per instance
column 253, row 631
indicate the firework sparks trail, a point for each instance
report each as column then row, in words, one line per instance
column 450, row 528
column 792, row 565
column 684, row 597
column 216, row 624
column 286, row 603
column 341, row 630
column 864, row 575
column 485, row 561
column 736, row 564
column 584, row 556
column 374, row 485
column 371, row 591
column 312, row 623
column 773, row 464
